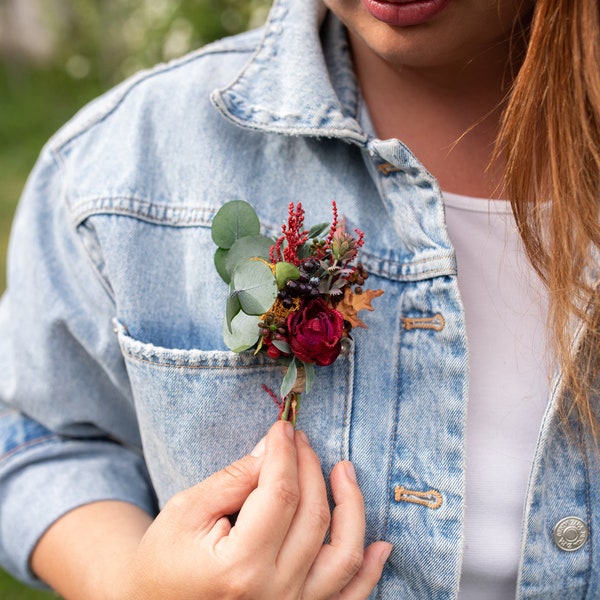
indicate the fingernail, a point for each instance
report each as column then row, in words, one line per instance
column 302, row 435
column 350, row 472
column 259, row 449
column 385, row 553
column 289, row 430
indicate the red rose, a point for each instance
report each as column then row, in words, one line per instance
column 315, row 332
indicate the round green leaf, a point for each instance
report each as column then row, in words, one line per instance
column 220, row 258
column 244, row 332
column 254, row 285
column 232, row 308
column 256, row 246
column 235, row 220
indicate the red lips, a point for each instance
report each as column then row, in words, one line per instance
column 405, row 13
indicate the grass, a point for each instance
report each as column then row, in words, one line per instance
column 13, row 590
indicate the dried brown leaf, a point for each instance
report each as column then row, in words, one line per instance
column 352, row 303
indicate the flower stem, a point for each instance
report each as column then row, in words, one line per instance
column 291, row 408
column 296, row 407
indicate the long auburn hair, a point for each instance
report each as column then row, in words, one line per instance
column 550, row 142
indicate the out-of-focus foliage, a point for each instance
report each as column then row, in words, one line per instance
column 114, row 39
column 107, row 40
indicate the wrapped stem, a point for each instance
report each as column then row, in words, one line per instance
column 291, row 408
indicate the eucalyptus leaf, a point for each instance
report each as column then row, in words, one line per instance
column 256, row 246
column 254, row 286
column 232, row 308
column 285, row 271
column 243, row 334
column 309, row 369
column 289, row 380
column 282, row 346
column 219, row 259
column 234, row 220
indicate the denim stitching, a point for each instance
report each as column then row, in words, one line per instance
column 348, row 405
column 174, row 365
column 27, row 444
column 192, row 216
column 589, row 520
column 390, row 463
column 145, row 210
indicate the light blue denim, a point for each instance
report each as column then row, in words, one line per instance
column 114, row 380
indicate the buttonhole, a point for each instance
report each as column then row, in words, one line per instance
column 436, row 322
column 387, row 168
column 431, row 498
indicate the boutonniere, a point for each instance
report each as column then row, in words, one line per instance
column 296, row 297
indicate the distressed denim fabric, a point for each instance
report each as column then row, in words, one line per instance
column 114, row 380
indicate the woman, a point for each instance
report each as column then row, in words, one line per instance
column 495, row 99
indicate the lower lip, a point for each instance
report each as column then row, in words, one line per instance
column 404, row 13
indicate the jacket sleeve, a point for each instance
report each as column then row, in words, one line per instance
column 68, row 431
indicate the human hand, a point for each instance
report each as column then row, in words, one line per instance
column 275, row 549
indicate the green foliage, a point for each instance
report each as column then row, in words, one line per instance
column 12, row 590
column 254, row 246
column 235, row 220
column 240, row 260
column 107, row 41
column 316, row 231
column 253, row 284
column 244, row 332
column 236, row 231
column 290, row 378
column 285, row 271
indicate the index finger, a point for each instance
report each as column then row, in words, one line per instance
column 266, row 516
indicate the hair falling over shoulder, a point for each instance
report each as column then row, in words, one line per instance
column 550, row 142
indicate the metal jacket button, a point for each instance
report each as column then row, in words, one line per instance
column 570, row 534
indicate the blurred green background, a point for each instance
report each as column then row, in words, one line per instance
column 55, row 55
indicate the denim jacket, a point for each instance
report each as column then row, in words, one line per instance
column 114, row 379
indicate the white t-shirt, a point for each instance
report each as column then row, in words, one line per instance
column 505, row 311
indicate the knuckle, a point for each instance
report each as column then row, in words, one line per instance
column 237, row 471
column 236, row 591
column 178, row 503
column 287, row 493
column 321, row 516
column 246, row 585
column 352, row 562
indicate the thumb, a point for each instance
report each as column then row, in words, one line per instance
column 221, row 494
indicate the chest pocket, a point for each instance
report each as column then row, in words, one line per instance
column 200, row 410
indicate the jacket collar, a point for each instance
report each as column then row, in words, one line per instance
column 299, row 80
